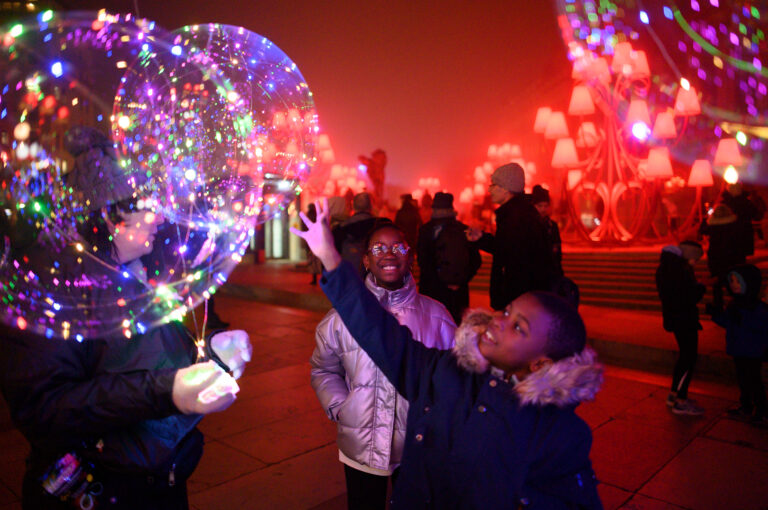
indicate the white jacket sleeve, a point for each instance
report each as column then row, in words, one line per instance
column 327, row 374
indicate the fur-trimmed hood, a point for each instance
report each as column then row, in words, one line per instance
column 563, row 383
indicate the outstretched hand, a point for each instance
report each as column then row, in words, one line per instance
column 318, row 236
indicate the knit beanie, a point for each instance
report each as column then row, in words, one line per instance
column 691, row 250
column 442, row 201
column 362, row 202
column 97, row 177
column 511, row 177
column 722, row 215
column 539, row 194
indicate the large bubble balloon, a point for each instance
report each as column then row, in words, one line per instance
column 119, row 214
column 280, row 123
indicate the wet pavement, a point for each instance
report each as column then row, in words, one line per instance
column 275, row 448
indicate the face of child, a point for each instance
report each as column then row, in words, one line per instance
column 544, row 208
column 388, row 268
column 134, row 237
column 735, row 284
column 517, row 337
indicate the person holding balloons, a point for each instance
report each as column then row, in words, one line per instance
column 112, row 420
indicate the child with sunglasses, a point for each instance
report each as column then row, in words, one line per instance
column 353, row 391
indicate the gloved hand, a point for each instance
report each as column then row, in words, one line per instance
column 234, row 349
column 190, row 382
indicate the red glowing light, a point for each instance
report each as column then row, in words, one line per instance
column 121, row 302
column 21, row 323
column 49, row 102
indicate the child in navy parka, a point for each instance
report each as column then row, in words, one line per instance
column 491, row 424
column 745, row 320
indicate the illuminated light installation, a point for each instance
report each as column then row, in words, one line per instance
column 609, row 176
column 720, row 44
column 178, row 134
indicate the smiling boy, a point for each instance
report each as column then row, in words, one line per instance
column 491, row 424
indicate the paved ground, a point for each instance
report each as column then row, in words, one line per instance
column 274, row 448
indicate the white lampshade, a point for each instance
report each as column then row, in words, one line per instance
column 565, row 155
column 556, row 126
column 639, row 63
column 659, row 164
column 638, row 112
column 687, row 102
column 581, row 101
column 621, row 57
column 542, row 117
column 701, row 174
column 728, row 152
column 664, row 127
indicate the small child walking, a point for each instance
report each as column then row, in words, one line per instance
column 745, row 320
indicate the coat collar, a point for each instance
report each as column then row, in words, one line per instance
column 390, row 299
column 563, row 383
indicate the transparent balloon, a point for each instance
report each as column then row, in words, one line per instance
column 281, row 125
column 124, row 201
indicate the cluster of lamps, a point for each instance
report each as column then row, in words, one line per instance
column 626, row 156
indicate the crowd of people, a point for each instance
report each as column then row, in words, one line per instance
column 452, row 406
column 730, row 234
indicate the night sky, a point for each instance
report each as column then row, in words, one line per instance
column 431, row 83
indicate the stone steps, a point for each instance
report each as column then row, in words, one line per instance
column 615, row 279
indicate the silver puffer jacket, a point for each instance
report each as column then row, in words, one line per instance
column 371, row 416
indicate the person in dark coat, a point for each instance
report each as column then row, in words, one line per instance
column 111, row 421
column 680, row 293
column 447, row 261
column 738, row 200
column 745, row 320
column 521, row 253
column 408, row 219
column 351, row 235
column 725, row 248
column 543, row 204
column 491, row 424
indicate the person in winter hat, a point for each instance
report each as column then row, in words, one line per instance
column 543, row 204
column 371, row 415
column 447, row 260
column 680, row 293
column 491, row 424
column 111, row 422
column 724, row 249
column 745, row 320
column 522, row 258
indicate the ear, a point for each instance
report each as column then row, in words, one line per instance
column 539, row 363
column 366, row 262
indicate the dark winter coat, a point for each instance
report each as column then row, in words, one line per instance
column 66, row 396
column 746, row 212
column 521, row 253
column 430, row 284
column 745, row 319
column 725, row 247
column 472, row 441
column 556, row 245
column 678, row 290
column 408, row 219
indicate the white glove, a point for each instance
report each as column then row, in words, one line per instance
column 234, row 349
column 197, row 389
